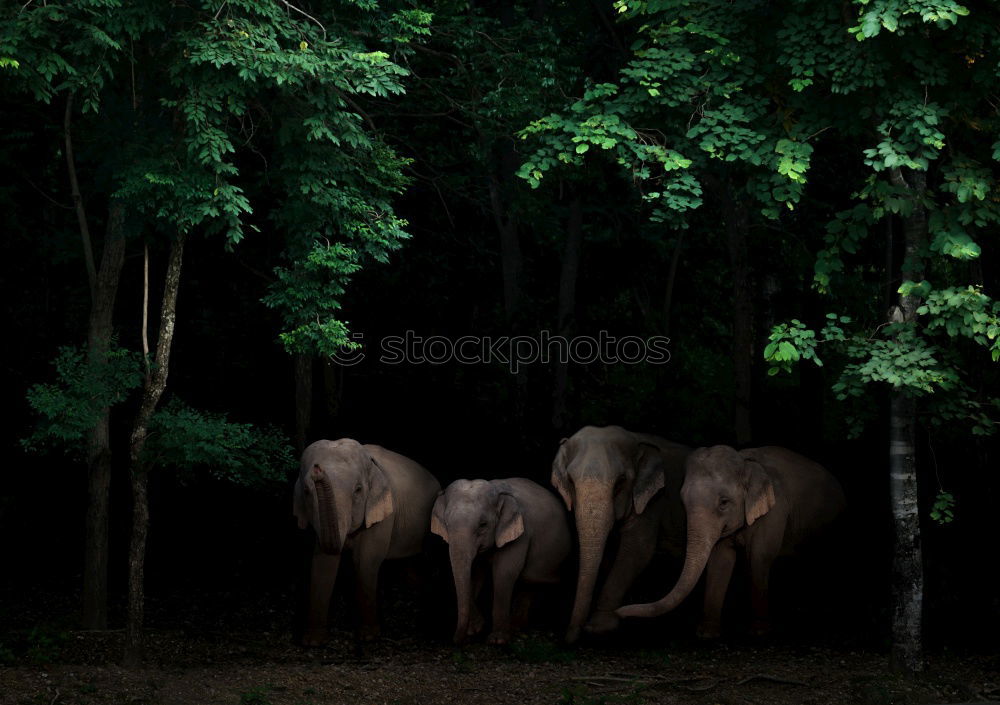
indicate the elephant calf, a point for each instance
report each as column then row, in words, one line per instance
column 761, row 502
column 366, row 500
column 517, row 525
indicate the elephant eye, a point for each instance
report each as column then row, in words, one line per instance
column 357, row 490
column 482, row 524
column 724, row 502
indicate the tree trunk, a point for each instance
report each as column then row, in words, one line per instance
column 74, row 187
column 155, row 384
column 501, row 187
column 103, row 287
column 908, row 574
column 567, row 309
column 737, row 235
column 511, row 259
column 668, row 291
column 303, row 400
column 99, row 330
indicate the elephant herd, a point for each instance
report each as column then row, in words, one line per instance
column 707, row 504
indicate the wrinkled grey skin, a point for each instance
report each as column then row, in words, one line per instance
column 761, row 502
column 611, row 478
column 515, row 525
column 366, row 500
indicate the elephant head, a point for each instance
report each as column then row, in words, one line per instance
column 604, row 476
column 723, row 492
column 473, row 517
column 341, row 489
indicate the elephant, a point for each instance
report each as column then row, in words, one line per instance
column 611, row 478
column 762, row 502
column 515, row 524
column 364, row 499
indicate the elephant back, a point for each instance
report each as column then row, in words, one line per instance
column 414, row 490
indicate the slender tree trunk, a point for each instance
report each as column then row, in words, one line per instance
column 103, row 286
column 908, row 573
column 511, row 259
column 74, row 186
column 333, row 387
column 155, row 384
column 303, row 399
column 668, row 292
column 95, row 563
column 737, row 236
column 568, row 277
column 501, row 189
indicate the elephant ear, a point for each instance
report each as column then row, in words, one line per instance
column 379, row 503
column 649, row 475
column 299, row 505
column 560, row 479
column 510, row 523
column 760, row 491
column 437, row 517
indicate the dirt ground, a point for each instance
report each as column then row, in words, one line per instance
column 235, row 646
column 254, row 668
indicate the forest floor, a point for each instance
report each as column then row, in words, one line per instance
column 236, row 647
column 202, row 664
column 263, row 669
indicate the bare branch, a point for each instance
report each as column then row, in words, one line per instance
column 290, row 6
column 145, row 309
column 817, row 132
column 350, row 101
column 772, row 679
column 81, row 214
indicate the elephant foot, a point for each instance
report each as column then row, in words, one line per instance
column 476, row 624
column 498, row 637
column 314, row 637
column 760, row 627
column 602, row 622
column 368, row 632
column 572, row 634
column 708, row 631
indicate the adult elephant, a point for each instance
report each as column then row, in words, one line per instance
column 611, row 478
column 366, row 500
column 762, row 502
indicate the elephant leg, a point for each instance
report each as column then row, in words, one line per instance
column 366, row 593
column 635, row 550
column 476, row 619
column 507, row 567
column 521, row 609
column 761, row 556
column 321, row 581
column 503, row 594
column 718, row 572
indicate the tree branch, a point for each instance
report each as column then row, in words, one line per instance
column 290, row 6
column 81, row 214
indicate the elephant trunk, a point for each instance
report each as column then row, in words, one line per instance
column 461, row 570
column 701, row 539
column 331, row 538
column 594, row 518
